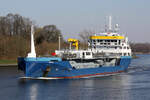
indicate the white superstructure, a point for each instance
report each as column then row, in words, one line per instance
column 109, row 44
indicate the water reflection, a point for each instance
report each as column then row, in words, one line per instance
column 115, row 87
column 33, row 91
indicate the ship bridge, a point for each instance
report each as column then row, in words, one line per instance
column 105, row 40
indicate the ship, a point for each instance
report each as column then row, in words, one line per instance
column 108, row 53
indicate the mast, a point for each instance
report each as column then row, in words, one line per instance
column 32, row 53
column 110, row 24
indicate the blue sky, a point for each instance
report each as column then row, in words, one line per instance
column 74, row 16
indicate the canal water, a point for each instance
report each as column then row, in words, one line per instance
column 131, row 85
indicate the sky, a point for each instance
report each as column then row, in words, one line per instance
column 75, row 16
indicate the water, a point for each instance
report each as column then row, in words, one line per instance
column 131, row 85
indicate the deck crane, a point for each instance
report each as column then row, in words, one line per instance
column 74, row 42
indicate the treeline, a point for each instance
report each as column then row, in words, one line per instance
column 14, row 24
column 140, row 48
column 15, row 37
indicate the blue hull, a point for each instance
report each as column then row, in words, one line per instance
column 37, row 67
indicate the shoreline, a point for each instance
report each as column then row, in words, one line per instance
column 8, row 65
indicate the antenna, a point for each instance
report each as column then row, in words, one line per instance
column 110, row 19
column 116, row 27
column 32, row 53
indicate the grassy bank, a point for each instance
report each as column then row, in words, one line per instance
column 8, row 61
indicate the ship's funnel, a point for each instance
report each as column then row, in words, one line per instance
column 32, row 53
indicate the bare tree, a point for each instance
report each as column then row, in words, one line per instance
column 14, row 24
column 84, row 35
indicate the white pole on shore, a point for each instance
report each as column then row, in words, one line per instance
column 59, row 42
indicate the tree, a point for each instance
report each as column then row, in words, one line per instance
column 84, row 35
column 48, row 33
column 14, row 24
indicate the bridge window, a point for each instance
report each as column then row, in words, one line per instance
column 101, row 40
column 128, row 54
column 112, row 40
column 107, row 40
column 125, row 54
column 88, row 53
column 119, row 42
